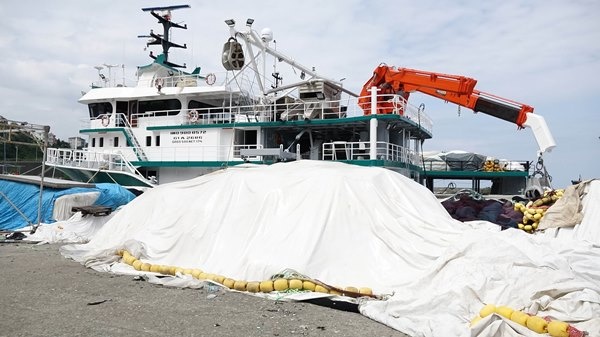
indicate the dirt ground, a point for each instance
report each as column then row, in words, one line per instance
column 44, row 294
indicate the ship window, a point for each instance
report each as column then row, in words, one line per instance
column 122, row 107
column 165, row 107
column 101, row 142
column 198, row 105
column 157, row 141
column 97, row 109
column 246, row 137
column 116, row 141
column 93, row 142
column 148, row 140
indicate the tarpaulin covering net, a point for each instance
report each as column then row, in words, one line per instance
column 359, row 226
column 25, row 198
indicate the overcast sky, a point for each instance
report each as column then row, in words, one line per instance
column 542, row 53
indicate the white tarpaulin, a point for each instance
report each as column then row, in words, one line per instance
column 353, row 226
column 77, row 229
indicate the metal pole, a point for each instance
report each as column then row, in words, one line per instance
column 373, row 125
column 42, row 174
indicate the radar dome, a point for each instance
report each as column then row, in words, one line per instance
column 266, row 35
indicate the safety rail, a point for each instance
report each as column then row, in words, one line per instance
column 361, row 151
column 398, row 105
column 474, row 165
column 114, row 161
column 290, row 110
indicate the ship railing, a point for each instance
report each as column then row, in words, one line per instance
column 341, row 150
column 191, row 80
column 231, row 114
column 397, row 105
column 291, row 109
column 114, row 161
column 430, row 164
column 106, row 82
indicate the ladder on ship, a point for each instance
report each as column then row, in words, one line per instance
column 132, row 140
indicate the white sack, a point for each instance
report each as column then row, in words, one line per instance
column 63, row 205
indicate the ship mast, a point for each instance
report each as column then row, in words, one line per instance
column 164, row 17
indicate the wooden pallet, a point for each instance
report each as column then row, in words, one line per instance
column 93, row 210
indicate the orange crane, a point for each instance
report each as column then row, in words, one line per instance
column 451, row 88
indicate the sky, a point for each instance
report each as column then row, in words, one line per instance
column 542, row 53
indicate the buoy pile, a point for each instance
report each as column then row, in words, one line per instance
column 492, row 166
column 535, row 323
column 534, row 211
column 278, row 283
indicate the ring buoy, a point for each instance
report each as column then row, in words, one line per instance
column 211, row 79
column 158, row 83
column 105, row 120
column 192, row 115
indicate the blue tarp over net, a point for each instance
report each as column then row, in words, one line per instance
column 26, row 198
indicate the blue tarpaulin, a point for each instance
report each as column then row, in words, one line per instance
column 26, row 198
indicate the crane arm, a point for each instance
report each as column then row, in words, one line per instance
column 456, row 89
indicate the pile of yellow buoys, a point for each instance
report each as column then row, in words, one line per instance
column 535, row 323
column 534, row 211
column 492, row 166
column 266, row 286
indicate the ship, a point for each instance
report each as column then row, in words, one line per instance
column 174, row 124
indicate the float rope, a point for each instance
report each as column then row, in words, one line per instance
column 538, row 324
column 287, row 280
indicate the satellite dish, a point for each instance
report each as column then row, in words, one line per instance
column 266, row 35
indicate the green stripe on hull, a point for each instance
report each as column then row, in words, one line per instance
column 102, row 177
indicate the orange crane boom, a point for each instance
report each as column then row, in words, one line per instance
column 451, row 88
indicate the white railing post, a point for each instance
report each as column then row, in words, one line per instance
column 373, row 125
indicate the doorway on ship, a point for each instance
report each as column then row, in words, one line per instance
column 126, row 112
column 245, row 139
column 122, row 114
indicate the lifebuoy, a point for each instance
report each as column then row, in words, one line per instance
column 211, row 79
column 193, row 115
column 105, row 120
column 158, row 83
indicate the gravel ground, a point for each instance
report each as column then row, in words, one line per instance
column 45, row 294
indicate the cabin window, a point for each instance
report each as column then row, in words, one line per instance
column 246, row 137
column 157, row 141
column 116, row 142
column 101, row 142
column 198, row 105
column 204, row 108
column 93, row 142
column 97, row 109
column 165, row 107
column 148, row 140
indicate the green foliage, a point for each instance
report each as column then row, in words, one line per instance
column 30, row 151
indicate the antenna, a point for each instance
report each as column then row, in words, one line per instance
column 165, row 19
column 109, row 67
